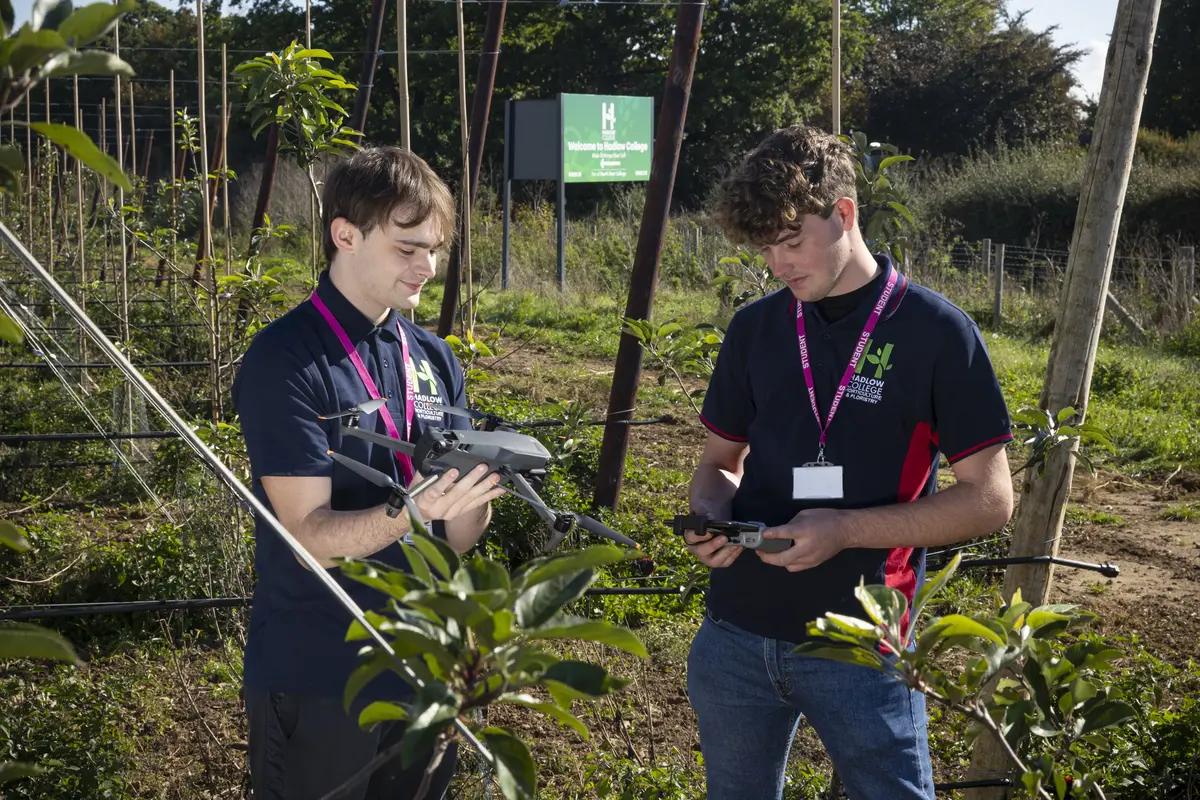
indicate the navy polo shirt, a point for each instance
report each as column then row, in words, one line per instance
column 295, row 371
column 924, row 386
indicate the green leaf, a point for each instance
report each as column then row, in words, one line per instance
column 362, row 675
column 567, row 627
column 313, row 53
column 93, row 21
column 890, row 160
column 487, row 574
column 568, row 680
column 538, row 604
column 21, row 640
column 15, row 770
column 12, row 537
column 545, row 568
column 379, row 712
column 88, row 62
column 9, row 332
column 1036, row 620
column 515, row 771
column 847, row 655
column 958, row 625
column 934, row 585
column 496, row 629
column 49, row 14
column 433, row 710
column 418, row 564
column 1106, row 714
column 440, row 556
column 81, row 147
column 566, row 718
column 883, row 604
column 6, row 15
column 31, row 48
column 902, row 210
column 463, row 610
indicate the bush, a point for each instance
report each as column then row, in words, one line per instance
column 1186, row 342
column 1030, row 196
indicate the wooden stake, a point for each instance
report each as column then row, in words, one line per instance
column 172, row 149
column 206, row 221
column 312, row 201
column 668, row 138
column 29, row 179
column 133, row 242
column 465, row 189
column 80, row 295
column 51, row 158
column 123, row 289
column 225, row 114
column 998, row 283
column 1038, row 527
column 837, row 67
column 105, row 270
column 402, row 71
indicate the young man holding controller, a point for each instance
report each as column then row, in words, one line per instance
column 830, row 405
column 386, row 218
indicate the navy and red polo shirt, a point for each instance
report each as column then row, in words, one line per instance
column 924, row 387
column 294, row 372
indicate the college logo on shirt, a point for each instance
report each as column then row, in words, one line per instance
column 426, row 392
column 867, row 383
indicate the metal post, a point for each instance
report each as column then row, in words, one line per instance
column 667, row 140
column 998, row 299
column 507, row 207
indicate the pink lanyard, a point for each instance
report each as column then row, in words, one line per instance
column 406, row 467
column 868, row 329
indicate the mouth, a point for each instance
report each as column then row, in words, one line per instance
column 415, row 288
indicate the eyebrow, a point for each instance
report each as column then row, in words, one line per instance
column 419, row 243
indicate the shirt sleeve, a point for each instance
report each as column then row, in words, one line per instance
column 728, row 406
column 969, row 410
column 278, row 407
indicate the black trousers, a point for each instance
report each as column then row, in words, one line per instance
column 303, row 746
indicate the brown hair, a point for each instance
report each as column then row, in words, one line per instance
column 793, row 172
column 375, row 183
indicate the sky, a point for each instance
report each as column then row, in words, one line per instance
column 1086, row 24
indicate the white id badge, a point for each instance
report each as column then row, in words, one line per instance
column 817, row 482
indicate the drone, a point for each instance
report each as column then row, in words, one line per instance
column 515, row 457
column 493, row 422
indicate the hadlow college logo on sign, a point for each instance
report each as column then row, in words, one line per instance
column 869, row 375
column 427, row 394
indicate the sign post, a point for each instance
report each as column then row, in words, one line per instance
column 576, row 138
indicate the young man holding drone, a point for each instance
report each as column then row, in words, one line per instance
column 386, row 219
column 830, row 405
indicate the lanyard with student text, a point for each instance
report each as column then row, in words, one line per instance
column 868, row 329
column 406, row 467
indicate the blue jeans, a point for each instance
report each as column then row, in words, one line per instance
column 748, row 693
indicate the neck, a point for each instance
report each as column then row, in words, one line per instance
column 340, row 276
column 861, row 270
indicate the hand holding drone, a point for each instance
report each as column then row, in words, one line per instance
column 515, row 457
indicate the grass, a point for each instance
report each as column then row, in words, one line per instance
column 1181, row 512
column 1094, row 516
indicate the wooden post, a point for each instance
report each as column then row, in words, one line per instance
column 172, row 147
column 837, row 67
column 81, row 233
column 998, row 281
column 1188, row 254
column 225, row 114
column 402, row 71
column 480, row 109
column 50, row 169
column 312, row 201
column 1081, row 310
column 123, row 289
column 206, row 222
column 358, row 116
column 133, row 162
column 105, row 270
column 29, row 179
column 665, row 161
column 465, row 189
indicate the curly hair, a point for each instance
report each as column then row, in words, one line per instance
column 795, row 171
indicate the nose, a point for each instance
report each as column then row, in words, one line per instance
column 426, row 264
column 777, row 261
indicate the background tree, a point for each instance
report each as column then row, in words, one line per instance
column 1172, row 103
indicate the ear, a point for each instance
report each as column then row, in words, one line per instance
column 845, row 211
column 345, row 234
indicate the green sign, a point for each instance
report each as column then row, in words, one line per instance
column 606, row 138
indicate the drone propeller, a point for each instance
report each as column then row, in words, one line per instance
column 368, row 407
column 363, row 471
